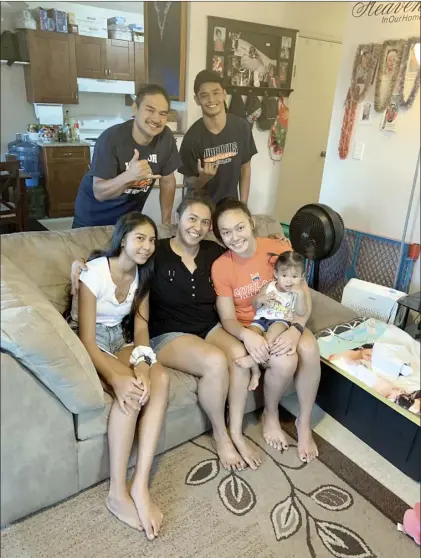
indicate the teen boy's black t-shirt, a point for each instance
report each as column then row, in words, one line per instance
column 114, row 150
column 232, row 147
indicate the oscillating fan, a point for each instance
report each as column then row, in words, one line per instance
column 316, row 232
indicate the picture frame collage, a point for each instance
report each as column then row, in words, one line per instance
column 250, row 56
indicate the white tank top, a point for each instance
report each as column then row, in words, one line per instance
column 281, row 308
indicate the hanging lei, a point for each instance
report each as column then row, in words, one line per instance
column 404, row 65
column 368, row 73
column 381, row 104
column 347, row 125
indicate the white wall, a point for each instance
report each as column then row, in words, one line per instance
column 320, row 19
column 372, row 194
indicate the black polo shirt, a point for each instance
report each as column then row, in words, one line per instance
column 179, row 300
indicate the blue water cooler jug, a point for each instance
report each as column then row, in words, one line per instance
column 29, row 155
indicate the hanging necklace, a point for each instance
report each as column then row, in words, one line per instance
column 161, row 15
column 397, row 46
column 407, row 104
column 347, row 125
column 372, row 51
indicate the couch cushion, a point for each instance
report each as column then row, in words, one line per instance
column 327, row 312
column 46, row 257
column 183, row 392
column 36, row 335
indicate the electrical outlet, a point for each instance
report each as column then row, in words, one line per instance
column 358, row 150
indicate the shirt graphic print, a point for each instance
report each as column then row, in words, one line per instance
column 221, row 154
column 138, row 186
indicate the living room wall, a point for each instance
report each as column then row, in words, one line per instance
column 372, row 194
column 316, row 19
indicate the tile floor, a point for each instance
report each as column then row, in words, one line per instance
column 359, row 452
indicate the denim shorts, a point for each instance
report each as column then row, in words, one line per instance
column 109, row 339
column 265, row 323
column 157, row 343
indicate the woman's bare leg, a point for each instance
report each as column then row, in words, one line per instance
column 307, row 383
column 191, row 354
column 278, row 377
column 150, row 426
column 121, row 430
column 239, row 382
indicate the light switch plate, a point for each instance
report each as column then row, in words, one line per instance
column 358, row 150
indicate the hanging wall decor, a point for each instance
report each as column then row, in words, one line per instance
column 250, row 57
column 347, row 126
column 166, row 46
column 365, row 64
column 388, row 69
column 409, row 66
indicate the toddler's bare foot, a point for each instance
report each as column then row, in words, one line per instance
column 272, row 432
column 148, row 512
column 227, row 453
column 125, row 510
column 245, row 362
column 307, row 449
column 250, row 456
column 255, row 376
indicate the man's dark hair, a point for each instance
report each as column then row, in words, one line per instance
column 151, row 89
column 206, row 76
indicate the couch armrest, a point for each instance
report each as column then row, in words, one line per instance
column 38, row 444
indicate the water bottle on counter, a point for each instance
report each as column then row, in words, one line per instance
column 28, row 154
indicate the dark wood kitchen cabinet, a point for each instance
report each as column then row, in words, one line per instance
column 120, row 60
column 105, row 58
column 51, row 75
column 91, row 54
column 64, row 168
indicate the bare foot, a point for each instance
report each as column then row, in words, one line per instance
column 245, row 362
column 272, row 432
column 148, row 512
column 250, row 456
column 125, row 510
column 255, row 376
column 230, row 458
column 307, row 449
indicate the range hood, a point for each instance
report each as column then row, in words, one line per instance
column 87, row 85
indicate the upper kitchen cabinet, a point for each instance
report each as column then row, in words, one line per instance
column 120, row 60
column 105, row 58
column 51, row 76
column 139, row 65
column 91, row 54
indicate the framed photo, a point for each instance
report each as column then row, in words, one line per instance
column 218, row 64
column 390, row 115
column 366, row 112
column 283, row 71
column 251, row 56
column 390, row 59
column 364, row 61
column 219, row 35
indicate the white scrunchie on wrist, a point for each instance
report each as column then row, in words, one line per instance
column 142, row 353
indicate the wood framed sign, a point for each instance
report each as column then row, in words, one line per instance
column 166, row 46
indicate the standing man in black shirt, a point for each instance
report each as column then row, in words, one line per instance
column 127, row 160
column 217, row 149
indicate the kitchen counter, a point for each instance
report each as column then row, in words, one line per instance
column 63, row 143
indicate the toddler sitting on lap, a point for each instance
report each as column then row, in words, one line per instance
column 277, row 304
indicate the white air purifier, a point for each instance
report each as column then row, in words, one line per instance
column 371, row 301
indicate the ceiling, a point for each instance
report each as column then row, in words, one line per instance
column 132, row 7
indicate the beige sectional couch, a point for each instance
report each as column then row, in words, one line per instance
column 53, row 409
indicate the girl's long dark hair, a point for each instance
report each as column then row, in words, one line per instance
column 125, row 225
